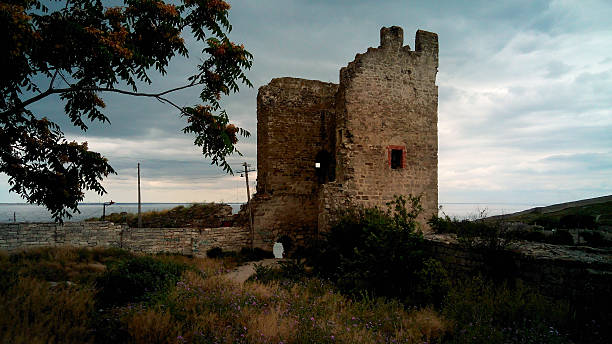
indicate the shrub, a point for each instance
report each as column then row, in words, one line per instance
column 215, row 252
column 574, row 221
column 485, row 312
column 531, row 235
column 379, row 251
column 136, row 279
column 561, row 237
column 595, row 239
column 292, row 270
column 476, row 233
column 248, row 254
column 433, row 283
column 266, row 273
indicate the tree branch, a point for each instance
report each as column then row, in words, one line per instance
column 51, row 91
column 66, row 81
column 180, row 88
column 53, row 79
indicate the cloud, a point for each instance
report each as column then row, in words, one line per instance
column 524, row 106
column 172, row 170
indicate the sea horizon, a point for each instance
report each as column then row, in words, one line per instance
column 25, row 212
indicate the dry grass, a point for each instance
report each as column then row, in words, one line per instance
column 152, row 326
column 270, row 327
column 203, row 307
column 294, row 313
column 428, row 322
column 33, row 312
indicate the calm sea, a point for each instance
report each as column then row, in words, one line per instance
column 32, row 213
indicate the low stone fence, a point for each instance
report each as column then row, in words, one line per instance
column 189, row 241
column 577, row 273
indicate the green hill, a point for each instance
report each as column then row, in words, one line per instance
column 591, row 213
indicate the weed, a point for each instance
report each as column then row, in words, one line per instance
column 136, row 278
column 34, row 312
column 486, row 312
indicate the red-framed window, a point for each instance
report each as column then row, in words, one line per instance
column 396, row 157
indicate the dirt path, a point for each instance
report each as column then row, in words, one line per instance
column 243, row 272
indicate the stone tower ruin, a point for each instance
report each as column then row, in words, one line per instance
column 322, row 146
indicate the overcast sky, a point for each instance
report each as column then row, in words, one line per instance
column 525, row 98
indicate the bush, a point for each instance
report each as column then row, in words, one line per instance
column 530, row 235
column 246, row 254
column 255, row 254
column 379, row 251
column 215, row 252
column 561, row 237
column 595, row 239
column 433, row 283
column 476, row 233
column 574, row 221
column 136, row 279
column 484, row 312
column 289, row 271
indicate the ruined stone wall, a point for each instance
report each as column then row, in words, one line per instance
column 291, row 117
column 188, row 241
column 555, row 270
column 388, row 99
column 81, row 234
column 289, row 113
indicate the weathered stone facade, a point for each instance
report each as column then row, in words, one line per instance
column 324, row 146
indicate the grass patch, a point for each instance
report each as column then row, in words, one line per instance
column 484, row 312
column 137, row 279
column 177, row 299
column 35, row 312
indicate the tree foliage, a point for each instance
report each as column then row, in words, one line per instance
column 81, row 49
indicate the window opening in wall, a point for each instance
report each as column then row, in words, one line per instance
column 397, row 157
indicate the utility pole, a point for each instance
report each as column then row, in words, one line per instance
column 246, row 176
column 139, row 209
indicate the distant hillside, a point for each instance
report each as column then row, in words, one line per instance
column 587, row 213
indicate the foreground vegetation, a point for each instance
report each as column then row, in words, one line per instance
column 69, row 295
column 376, row 285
